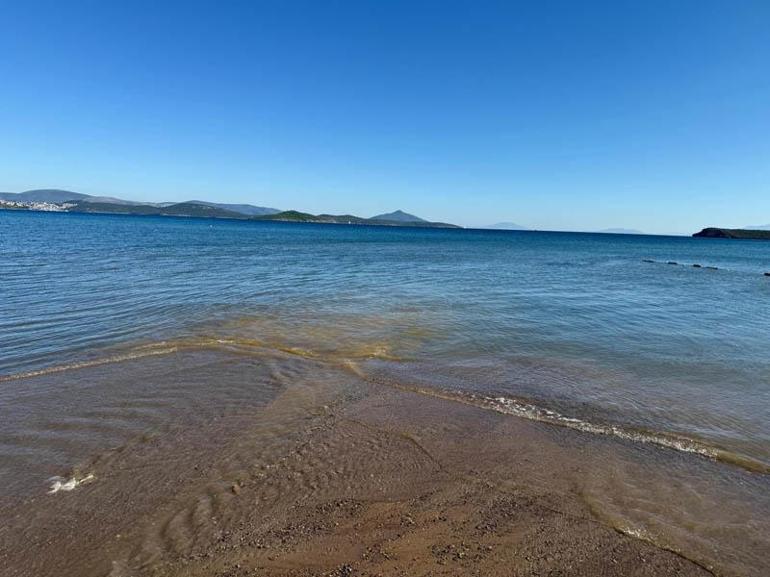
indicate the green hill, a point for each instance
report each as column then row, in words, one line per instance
column 296, row 216
column 179, row 209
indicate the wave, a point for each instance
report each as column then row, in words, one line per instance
column 533, row 412
column 347, row 359
column 375, row 350
column 663, row 439
column 90, row 363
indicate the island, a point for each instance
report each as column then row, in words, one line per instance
column 739, row 233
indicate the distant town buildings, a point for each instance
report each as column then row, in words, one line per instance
column 41, row 206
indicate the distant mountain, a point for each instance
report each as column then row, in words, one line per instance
column 506, row 226
column 620, row 231
column 62, row 196
column 758, row 227
column 43, row 195
column 296, row 216
column 178, row 209
column 54, row 195
column 68, row 201
column 398, row 216
column 247, row 209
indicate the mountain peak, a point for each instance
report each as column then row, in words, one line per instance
column 398, row 216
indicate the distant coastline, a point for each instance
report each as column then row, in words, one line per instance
column 57, row 200
column 54, row 200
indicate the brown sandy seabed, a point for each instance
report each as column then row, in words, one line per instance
column 343, row 478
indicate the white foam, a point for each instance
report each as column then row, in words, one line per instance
column 87, row 364
column 533, row 412
column 62, row 484
column 640, row 534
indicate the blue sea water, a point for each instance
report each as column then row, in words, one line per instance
column 579, row 324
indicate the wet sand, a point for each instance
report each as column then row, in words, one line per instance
column 336, row 475
column 410, row 494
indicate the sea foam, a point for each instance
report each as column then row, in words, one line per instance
column 64, row 484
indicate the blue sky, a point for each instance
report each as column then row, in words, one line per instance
column 556, row 115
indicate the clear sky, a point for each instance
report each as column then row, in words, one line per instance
column 652, row 115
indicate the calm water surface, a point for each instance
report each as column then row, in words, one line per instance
column 578, row 324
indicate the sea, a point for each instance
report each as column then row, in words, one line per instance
column 660, row 341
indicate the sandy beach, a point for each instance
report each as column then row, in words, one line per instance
column 337, row 475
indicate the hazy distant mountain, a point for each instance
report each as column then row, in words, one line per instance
column 506, row 226
column 398, row 216
column 43, row 195
column 758, row 227
column 55, row 195
column 620, row 231
column 248, row 209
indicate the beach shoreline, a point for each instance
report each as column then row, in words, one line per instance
column 335, row 475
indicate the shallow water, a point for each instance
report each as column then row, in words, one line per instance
column 577, row 323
